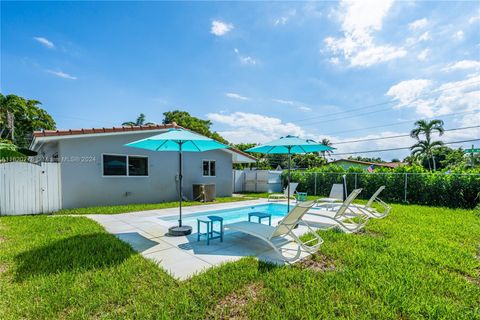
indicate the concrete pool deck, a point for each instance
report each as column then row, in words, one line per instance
column 184, row 256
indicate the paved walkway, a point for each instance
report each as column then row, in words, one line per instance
column 183, row 257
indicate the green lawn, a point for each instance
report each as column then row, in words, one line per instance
column 148, row 206
column 419, row 262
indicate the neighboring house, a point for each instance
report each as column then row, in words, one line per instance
column 347, row 163
column 97, row 169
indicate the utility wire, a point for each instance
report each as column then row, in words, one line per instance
column 401, row 148
column 386, row 102
column 401, row 122
column 398, row 136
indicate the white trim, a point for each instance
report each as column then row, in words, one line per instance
column 127, row 168
column 209, row 171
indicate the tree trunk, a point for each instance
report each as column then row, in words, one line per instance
column 434, row 164
column 429, row 165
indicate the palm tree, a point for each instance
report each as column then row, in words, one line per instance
column 327, row 143
column 425, row 147
column 139, row 122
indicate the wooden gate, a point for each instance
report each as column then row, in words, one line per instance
column 27, row 188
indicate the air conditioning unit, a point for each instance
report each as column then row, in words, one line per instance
column 204, row 192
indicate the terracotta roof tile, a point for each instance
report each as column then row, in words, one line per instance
column 51, row 133
column 74, row 132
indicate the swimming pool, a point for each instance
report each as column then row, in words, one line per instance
column 232, row 215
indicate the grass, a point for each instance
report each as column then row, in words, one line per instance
column 147, row 206
column 419, row 262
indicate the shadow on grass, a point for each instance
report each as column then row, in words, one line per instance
column 75, row 254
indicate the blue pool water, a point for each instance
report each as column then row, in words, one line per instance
column 234, row 214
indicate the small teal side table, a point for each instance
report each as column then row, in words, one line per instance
column 260, row 216
column 301, row 196
column 211, row 233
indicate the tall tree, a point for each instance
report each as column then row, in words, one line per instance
column 26, row 117
column 184, row 119
column 139, row 122
column 328, row 143
column 425, row 147
column 307, row 161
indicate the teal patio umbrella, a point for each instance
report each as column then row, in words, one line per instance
column 178, row 140
column 290, row 145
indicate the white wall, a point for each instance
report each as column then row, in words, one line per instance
column 83, row 183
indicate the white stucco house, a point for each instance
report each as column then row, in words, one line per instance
column 97, row 169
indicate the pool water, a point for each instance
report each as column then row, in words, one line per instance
column 232, row 215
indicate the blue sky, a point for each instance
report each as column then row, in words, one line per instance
column 257, row 70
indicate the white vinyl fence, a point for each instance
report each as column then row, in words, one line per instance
column 257, row 181
column 27, row 188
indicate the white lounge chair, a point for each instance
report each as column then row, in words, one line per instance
column 285, row 195
column 372, row 212
column 336, row 195
column 277, row 236
column 347, row 219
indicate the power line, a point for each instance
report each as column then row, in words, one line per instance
column 385, row 103
column 398, row 136
column 401, row 122
column 400, row 148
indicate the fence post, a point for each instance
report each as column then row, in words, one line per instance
column 315, row 188
column 406, row 178
column 355, row 180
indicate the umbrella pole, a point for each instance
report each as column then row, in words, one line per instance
column 288, row 180
column 180, row 183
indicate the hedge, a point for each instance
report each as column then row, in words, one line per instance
column 455, row 189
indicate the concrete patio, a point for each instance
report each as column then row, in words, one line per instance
column 183, row 257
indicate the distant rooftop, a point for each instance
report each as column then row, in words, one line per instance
column 378, row 164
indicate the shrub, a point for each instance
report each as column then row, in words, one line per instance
column 454, row 189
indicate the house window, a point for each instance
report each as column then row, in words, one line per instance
column 122, row 165
column 209, row 168
column 114, row 165
column 137, row 166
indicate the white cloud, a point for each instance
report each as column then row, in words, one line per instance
column 44, row 41
column 447, row 98
column 408, row 90
column 234, row 95
column 423, row 37
column 303, row 108
column 423, row 55
column 334, row 60
column 360, row 19
column 62, row 74
column 418, row 24
column 373, row 145
column 288, row 102
column 459, row 35
column 462, row 65
column 474, row 19
column 247, row 60
column 251, row 127
column 296, row 104
column 285, row 18
column 220, row 28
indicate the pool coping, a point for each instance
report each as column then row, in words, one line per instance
column 183, row 257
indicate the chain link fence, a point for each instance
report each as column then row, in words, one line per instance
column 438, row 189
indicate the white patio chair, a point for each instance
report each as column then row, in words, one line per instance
column 336, row 195
column 372, row 211
column 276, row 237
column 345, row 218
column 285, row 195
